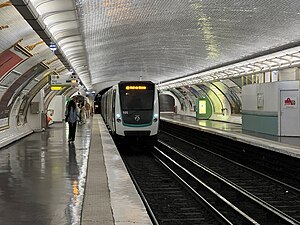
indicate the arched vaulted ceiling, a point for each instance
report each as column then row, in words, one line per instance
column 160, row 40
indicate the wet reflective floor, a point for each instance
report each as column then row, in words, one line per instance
column 42, row 177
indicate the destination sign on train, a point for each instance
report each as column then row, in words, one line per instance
column 135, row 87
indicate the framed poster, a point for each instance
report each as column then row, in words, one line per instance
column 260, row 100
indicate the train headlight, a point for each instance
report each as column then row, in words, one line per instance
column 155, row 119
column 118, row 118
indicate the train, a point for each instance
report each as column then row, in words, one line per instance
column 130, row 110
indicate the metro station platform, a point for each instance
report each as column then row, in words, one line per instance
column 285, row 145
column 46, row 181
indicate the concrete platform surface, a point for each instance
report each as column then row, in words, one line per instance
column 44, row 180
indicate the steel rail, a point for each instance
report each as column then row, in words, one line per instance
column 253, row 198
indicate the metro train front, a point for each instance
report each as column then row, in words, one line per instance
column 130, row 109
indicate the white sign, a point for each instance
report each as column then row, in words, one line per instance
column 61, row 80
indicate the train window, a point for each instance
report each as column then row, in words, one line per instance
column 137, row 100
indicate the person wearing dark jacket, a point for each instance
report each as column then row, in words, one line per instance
column 72, row 115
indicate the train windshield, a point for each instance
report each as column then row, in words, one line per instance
column 137, row 100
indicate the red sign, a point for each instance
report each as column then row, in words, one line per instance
column 289, row 101
column 8, row 60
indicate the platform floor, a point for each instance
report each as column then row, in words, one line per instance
column 46, row 181
column 286, row 145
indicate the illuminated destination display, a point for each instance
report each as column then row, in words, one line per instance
column 135, row 87
column 56, row 88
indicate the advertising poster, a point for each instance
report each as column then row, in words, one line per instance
column 8, row 60
column 202, row 106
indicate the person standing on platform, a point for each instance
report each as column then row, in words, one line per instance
column 72, row 115
column 88, row 108
column 82, row 114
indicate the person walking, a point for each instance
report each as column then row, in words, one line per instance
column 72, row 115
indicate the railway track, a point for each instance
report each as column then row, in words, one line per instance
column 187, row 184
column 230, row 199
column 277, row 165
column 167, row 200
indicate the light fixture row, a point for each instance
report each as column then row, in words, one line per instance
column 279, row 60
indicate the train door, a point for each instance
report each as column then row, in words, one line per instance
column 113, row 111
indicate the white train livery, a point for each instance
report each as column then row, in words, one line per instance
column 131, row 109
